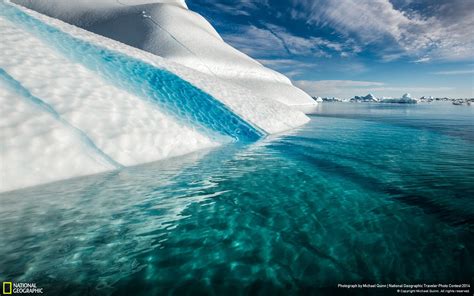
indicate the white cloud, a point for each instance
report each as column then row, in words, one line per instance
column 296, row 45
column 311, row 45
column 404, row 89
column 339, row 83
column 256, row 42
column 389, row 57
column 289, row 67
column 242, row 7
column 422, row 30
column 445, row 33
column 424, row 59
column 351, row 88
column 455, row 72
column 295, row 68
column 272, row 40
column 333, row 87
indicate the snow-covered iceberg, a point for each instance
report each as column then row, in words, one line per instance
column 170, row 30
column 76, row 103
column 367, row 98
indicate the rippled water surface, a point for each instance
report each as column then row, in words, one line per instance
column 363, row 193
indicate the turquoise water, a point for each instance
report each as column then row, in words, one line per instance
column 173, row 95
column 363, row 193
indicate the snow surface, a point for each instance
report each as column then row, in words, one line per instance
column 41, row 144
column 60, row 118
column 177, row 34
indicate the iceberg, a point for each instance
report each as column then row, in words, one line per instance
column 367, row 98
column 318, row 99
column 76, row 103
column 170, row 30
column 405, row 99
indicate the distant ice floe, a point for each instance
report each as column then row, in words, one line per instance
column 367, row 98
column 405, row 99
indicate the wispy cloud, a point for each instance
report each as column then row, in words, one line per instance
column 350, row 88
column 339, row 83
column 290, row 67
column 297, row 69
column 256, row 42
column 334, row 87
column 403, row 89
column 424, row 59
column 423, row 30
column 269, row 39
column 296, row 45
column 242, row 7
column 442, row 31
column 455, row 72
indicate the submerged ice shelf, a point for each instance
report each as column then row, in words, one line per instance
column 174, row 95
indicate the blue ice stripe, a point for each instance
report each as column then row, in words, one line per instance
column 172, row 94
column 45, row 107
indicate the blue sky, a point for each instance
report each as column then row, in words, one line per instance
column 352, row 47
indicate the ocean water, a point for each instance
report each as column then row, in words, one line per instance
column 362, row 194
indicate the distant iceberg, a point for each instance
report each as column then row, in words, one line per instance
column 367, row 98
column 405, row 99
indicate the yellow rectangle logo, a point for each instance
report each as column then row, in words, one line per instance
column 7, row 288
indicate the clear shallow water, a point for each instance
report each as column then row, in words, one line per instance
column 366, row 196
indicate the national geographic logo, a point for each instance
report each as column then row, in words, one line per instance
column 7, row 288
column 11, row 288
